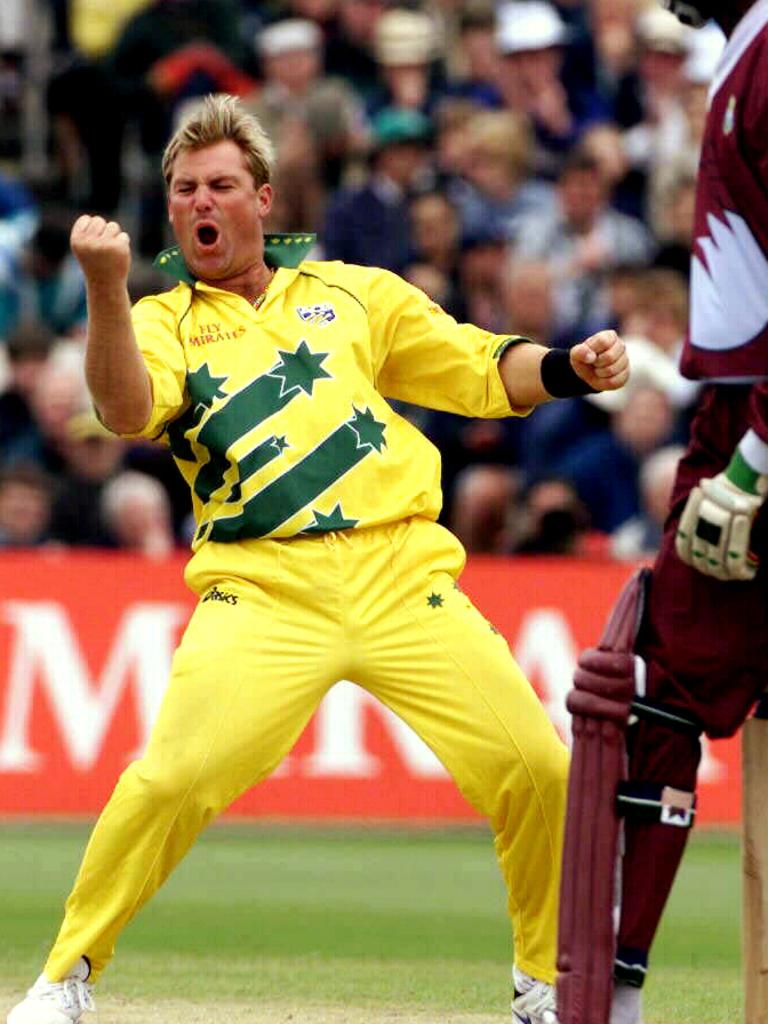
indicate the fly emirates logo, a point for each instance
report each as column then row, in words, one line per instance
column 208, row 333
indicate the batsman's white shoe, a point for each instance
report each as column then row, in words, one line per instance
column 627, row 1005
column 55, row 1002
column 534, row 1002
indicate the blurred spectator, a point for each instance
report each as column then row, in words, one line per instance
column 647, row 99
column 137, row 513
column 15, row 22
column 640, row 536
column 551, row 519
column 349, row 50
column 531, row 37
column 93, row 26
column 406, row 48
column 613, row 28
column 18, row 219
column 478, row 57
column 92, row 456
column 484, row 496
column 316, row 122
column 655, row 329
column 58, row 393
column 495, row 190
column 528, row 301
column 673, row 222
column 480, row 272
column 436, row 236
column 28, row 348
column 25, row 506
column 650, row 102
column 604, row 468
column 661, row 312
column 49, row 286
column 435, row 283
column 681, row 162
column 370, row 224
column 436, row 230
column 452, row 120
column 582, row 238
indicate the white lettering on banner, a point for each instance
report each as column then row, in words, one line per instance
column 340, row 739
column 45, row 653
column 45, row 649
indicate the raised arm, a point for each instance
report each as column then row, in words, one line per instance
column 115, row 371
column 533, row 374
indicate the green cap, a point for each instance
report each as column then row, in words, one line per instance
column 393, row 125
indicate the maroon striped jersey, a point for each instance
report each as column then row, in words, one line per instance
column 728, row 334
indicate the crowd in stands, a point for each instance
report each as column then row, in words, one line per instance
column 529, row 164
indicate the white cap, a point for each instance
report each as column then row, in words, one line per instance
column 289, row 36
column 660, row 31
column 405, row 37
column 706, row 49
column 528, row 25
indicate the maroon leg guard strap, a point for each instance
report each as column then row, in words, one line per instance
column 604, row 686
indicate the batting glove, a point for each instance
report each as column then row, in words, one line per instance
column 714, row 530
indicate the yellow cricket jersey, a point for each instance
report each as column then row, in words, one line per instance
column 277, row 417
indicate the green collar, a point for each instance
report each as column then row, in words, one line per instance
column 280, row 250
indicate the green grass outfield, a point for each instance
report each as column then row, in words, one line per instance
column 398, row 921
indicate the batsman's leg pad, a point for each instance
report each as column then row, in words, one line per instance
column 600, row 703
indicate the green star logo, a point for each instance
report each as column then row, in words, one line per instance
column 204, row 388
column 368, row 429
column 435, row 600
column 280, row 444
column 335, row 521
column 299, row 369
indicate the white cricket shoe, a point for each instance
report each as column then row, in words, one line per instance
column 56, row 1002
column 535, row 1003
column 627, row 1005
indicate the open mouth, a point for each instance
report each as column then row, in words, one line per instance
column 207, row 234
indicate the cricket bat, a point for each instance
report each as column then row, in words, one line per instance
column 754, row 760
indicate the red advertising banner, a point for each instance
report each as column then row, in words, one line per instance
column 85, row 647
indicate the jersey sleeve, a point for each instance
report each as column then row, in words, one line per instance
column 156, row 329
column 423, row 356
column 754, row 147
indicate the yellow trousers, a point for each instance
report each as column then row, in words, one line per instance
column 278, row 623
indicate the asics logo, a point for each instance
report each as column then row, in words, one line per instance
column 214, row 594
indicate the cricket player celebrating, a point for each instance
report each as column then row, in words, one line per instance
column 317, row 555
column 702, row 622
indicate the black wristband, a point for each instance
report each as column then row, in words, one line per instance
column 559, row 377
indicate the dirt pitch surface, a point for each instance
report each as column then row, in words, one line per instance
column 114, row 1011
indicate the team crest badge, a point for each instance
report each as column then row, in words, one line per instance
column 319, row 315
column 729, row 118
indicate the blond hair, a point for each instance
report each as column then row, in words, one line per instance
column 664, row 291
column 504, row 135
column 220, row 118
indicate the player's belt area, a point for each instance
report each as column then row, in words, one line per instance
column 601, row 705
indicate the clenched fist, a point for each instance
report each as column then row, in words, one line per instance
column 601, row 361
column 102, row 248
